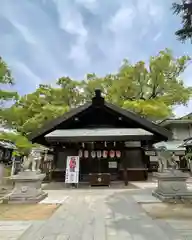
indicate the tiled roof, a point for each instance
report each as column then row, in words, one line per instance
column 6, row 144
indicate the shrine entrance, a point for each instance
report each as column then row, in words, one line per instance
column 100, row 159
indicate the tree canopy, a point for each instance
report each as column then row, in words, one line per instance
column 5, row 79
column 184, row 9
column 22, row 143
column 151, row 89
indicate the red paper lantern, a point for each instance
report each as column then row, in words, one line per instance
column 86, row 154
column 105, row 153
column 112, row 154
column 118, row 154
column 93, row 154
column 80, row 153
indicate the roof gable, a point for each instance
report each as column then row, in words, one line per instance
column 52, row 124
column 188, row 116
column 178, row 121
column 99, row 102
column 147, row 124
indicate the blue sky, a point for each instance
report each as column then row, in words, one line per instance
column 42, row 40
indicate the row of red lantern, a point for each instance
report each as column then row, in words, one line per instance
column 105, row 144
column 100, row 154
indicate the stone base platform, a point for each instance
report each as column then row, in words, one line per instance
column 172, row 186
column 169, row 198
column 26, row 200
column 27, row 188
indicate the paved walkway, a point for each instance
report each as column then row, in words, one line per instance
column 12, row 230
column 105, row 215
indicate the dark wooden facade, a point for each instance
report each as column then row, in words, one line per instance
column 6, row 149
column 132, row 158
column 98, row 114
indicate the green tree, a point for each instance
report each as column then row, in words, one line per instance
column 151, row 89
column 148, row 89
column 5, row 79
column 184, row 9
column 92, row 82
column 31, row 111
column 69, row 92
column 22, row 143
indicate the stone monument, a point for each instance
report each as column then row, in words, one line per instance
column 27, row 183
column 172, row 184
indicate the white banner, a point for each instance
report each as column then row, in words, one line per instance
column 72, row 169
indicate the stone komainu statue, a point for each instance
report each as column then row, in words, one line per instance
column 164, row 157
column 161, row 159
column 161, row 162
column 172, row 162
column 26, row 165
column 33, row 161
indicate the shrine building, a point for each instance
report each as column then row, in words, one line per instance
column 109, row 140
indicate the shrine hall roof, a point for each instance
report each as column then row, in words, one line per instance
column 96, row 133
column 99, row 102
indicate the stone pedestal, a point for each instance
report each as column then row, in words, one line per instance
column 27, row 187
column 1, row 174
column 172, row 186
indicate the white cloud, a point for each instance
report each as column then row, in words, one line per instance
column 122, row 20
column 89, row 4
column 29, row 37
column 183, row 110
column 70, row 20
column 44, row 39
column 187, row 75
column 153, row 9
column 79, row 54
column 85, row 2
column 150, row 14
column 157, row 36
column 23, row 69
column 156, row 12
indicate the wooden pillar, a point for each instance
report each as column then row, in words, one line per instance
column 125, row 174
column 55, row 159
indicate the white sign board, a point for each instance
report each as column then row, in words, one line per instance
column 150, row 153
column 72, row 169
column 133, row 144
column 112, row 164
column 179, row 153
